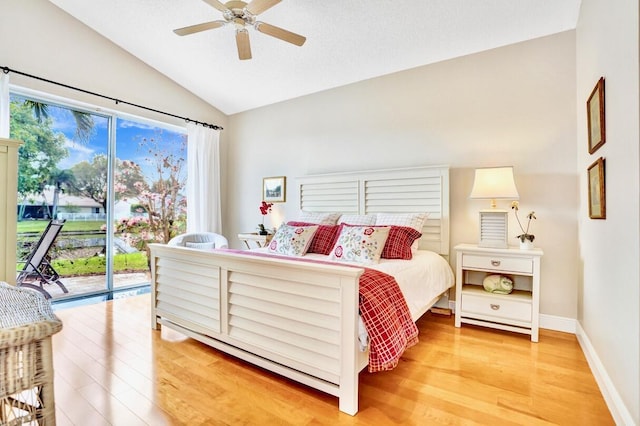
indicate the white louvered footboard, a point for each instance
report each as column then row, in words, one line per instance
column 297, row 319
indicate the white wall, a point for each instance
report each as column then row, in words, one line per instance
column 509, row 106
column 609, row 250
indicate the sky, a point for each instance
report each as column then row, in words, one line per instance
column 129, row 134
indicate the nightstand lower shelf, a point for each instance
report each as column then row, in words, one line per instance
column 510, row 312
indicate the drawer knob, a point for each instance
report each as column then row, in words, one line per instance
column 495, row 262
column 494, row 306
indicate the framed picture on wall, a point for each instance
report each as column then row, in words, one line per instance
column 274, row 189
column 597, row 205
column 595, row 117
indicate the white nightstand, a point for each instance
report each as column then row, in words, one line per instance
column 517, row 311
column 259, row 240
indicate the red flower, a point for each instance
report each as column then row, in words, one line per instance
column 368, row 231
column 265, row 208
column 338, row 251
column 299, row 230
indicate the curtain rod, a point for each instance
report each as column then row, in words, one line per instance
column 7, row 70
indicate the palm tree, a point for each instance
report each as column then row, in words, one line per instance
column 84, row 121
column 60, row 179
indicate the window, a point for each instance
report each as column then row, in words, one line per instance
column 118, row 187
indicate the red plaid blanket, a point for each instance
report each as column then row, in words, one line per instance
column 387, row 319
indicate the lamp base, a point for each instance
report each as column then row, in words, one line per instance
column 493, row 228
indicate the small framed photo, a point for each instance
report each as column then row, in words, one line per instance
column 595, row 117
column 597, row 205
column 274, row 189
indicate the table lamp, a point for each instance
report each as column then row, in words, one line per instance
column 494, row 183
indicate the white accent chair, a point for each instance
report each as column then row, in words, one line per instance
column 200, row 240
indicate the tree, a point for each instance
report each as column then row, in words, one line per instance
column 41, row 151
column 85, row 125
column 60, row 180
column 90, row 179
column 162, row 197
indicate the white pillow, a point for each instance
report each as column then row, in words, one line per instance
column 411, row 220
column 292, row 240
column 200, row 246
column 360, row 244
column 318, row 218
column 358, row 219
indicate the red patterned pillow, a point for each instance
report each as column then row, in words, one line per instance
column 398, row 245
column 324, row 238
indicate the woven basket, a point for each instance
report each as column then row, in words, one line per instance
column 27, row 323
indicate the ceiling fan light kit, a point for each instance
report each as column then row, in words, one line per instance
column 242, row 15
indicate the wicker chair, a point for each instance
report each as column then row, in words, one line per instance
column 27, row 323
column 200, row 240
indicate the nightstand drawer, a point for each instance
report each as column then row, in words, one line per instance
column 498, row 263
column 502, row 308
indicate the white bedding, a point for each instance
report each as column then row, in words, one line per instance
column 420, row 279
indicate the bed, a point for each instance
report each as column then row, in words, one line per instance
column 249, row 305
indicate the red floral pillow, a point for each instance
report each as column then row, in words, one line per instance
column 324, row 238
column 398, row 245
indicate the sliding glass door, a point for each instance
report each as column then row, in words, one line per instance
column 118, row 185
column 149, row 195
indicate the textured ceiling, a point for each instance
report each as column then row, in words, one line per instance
column 347, row 41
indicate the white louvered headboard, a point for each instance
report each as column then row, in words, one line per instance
column 411, row 190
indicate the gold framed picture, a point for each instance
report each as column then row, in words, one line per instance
column 595, row 117
column 597, row 204
column 274, row 189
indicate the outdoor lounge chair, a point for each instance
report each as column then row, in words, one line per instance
column 37, row 270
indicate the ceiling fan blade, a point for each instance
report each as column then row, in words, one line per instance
column 215, row 3
column 244, row 47
column 259, row 6
column 280, row 33
column 199, row 27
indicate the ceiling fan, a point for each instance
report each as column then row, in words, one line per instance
column 242, row 15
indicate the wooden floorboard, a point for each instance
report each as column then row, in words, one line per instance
column 111, row 368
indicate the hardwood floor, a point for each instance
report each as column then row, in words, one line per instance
column 111, row 368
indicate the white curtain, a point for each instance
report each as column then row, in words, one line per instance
column 4, row 105
column 203, row 179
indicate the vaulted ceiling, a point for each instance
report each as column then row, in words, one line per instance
column 346, row 41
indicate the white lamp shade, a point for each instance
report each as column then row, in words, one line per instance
column 494, row 183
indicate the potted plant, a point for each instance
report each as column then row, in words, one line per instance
column 265, row 209
column 526, row 239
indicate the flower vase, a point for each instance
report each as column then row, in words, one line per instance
column 526, row 245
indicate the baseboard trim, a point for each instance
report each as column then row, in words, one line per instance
column 619, row 411
column 552, row 322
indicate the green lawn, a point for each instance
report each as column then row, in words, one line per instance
column 76, row 225
column 96, row 265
